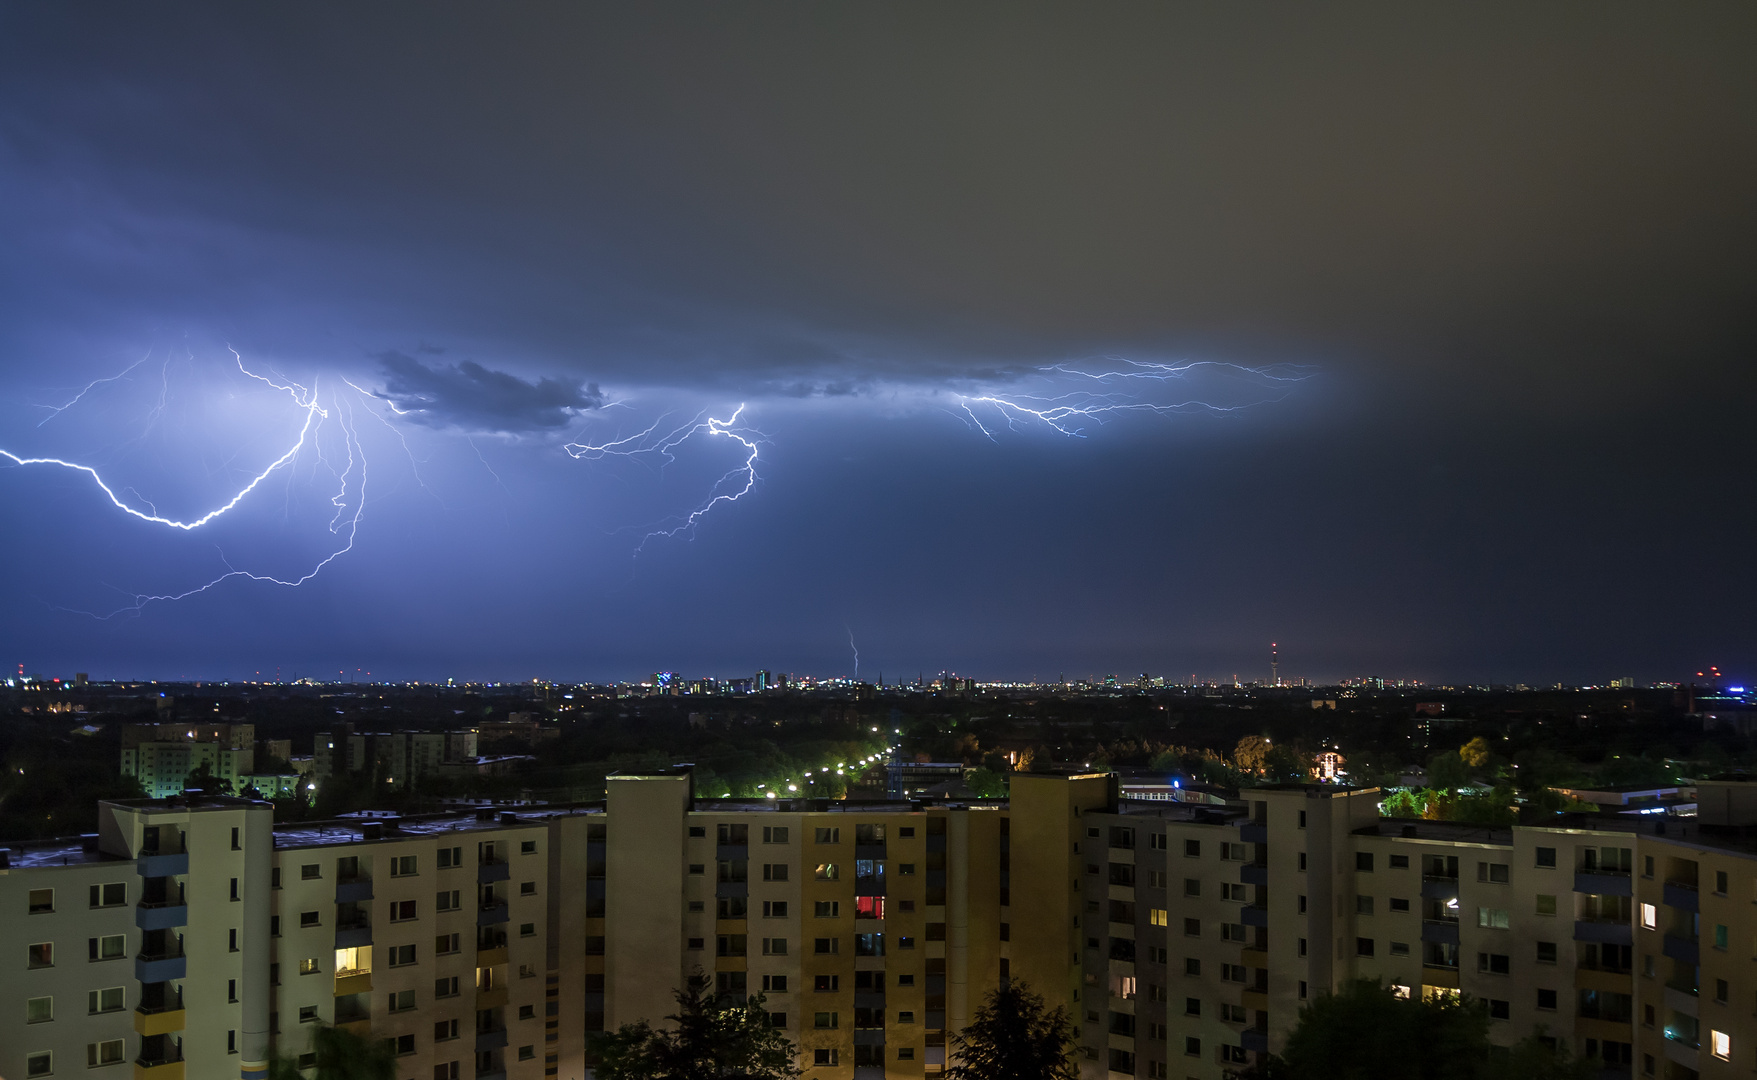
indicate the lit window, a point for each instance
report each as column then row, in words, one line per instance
column 1722, row 1044
column 1649, row 917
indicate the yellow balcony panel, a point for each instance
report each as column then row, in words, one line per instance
column 491, row 999
column 1443, row 977
column 1254, row 999
column 490, row 957
column 1588, row 1028
column 158, row 1023
column 1618, row 983
column 170, row 1070
column 362, row 1028
column 358, row 983
column 1254, row 958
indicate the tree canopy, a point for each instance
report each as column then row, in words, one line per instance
column 714, row 1038
column 340, row 1055
column 1014, row 1037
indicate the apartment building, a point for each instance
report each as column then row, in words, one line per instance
column 161, row 756
column 395, row 758
column 191, row 938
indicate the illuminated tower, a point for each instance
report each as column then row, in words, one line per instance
column 1274, row 666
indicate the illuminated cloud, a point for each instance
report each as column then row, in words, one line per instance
column 470, row 397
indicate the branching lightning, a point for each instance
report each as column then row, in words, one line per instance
column 649, row 444
column 57, row 410
column 348, row 502
column 856, row 649
column 1065, row 412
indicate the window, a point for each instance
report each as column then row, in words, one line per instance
column 1192, row 966
column 826, row 1057
column 527, row 929
column 1546, row 904
column 1720, row 937
column 1233, row 892
column 42, row 955
column 450, row 858
column 1546, row 857
column 1302, row 819
column 1721, row 1045
column 1720, row 882
column 775, row 984
column 42, row 901
column 1192, row 1006
column 774, row 834
column 108, row 1052
column 402, row 911
column 1302, row 904
column 776, row 946
column 446, row 944
column 1363, row 861
column 1494, row 963
column 1647, row 871
column 1302, row 861
column 1720, row 991
column 1232, row 932
column 774, row 909
column 449, row 900
column 1363, row 905
column 108, row 947
column 1399, row 904
column 445, row 988
column 1491, row 918
column 308, row 919
column 1498, row 873
column 1363, row 946
column 42, row 1064
column 1400, row 948
column 826, row 1021
column 904, row 941
column 827, row 909
column 401, row 955
column 775, row 871
column 1649, row 917
column 1546, row 999
column 826, row 984
column 527, row 847
column 310, row 871
column 1155, row 917
column 1192, row 849
column 1546, row 952
column 309, row 966
column 1192, row 1046
column 1399, row 862
column 906, row 869
column 905, row 1053
column 1500, row 1010
column 828, row 871
column 829, row 836
column 697, row 944
column 112, row 895
column 1192, row 928
column 402, row 1000
column 1192, row 886
column 402, row 1044
column 527, row 888
column 39, row 1010
column 826, row 946
column 1156, row 841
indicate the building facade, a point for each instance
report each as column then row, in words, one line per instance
column 192, row 938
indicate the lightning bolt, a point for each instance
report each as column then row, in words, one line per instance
column 650, row 444
column 57, row 410
column 1065, row 412
column 856, row 649
column 349, row 501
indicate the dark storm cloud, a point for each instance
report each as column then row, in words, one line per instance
column 471, row 397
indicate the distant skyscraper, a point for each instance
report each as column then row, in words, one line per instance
column 1274, row 665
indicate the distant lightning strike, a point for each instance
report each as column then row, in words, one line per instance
column 1064, row 413
column 646, row 444
column 57, row 410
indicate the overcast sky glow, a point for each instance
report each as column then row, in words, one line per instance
column 1069, row 340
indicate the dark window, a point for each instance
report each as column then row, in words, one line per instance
column 1363, row 861
column 1546, row 856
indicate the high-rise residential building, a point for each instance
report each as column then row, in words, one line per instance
column 161, row 756
column 191, row 938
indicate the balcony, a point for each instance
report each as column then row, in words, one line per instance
column 869, row 851
column 491, row 956
column 492, row 1039
column 1598, row 883
column 493, row 913
column 1684, row 950
column 158, row 1021
column 353, row 982
column 1253, row 832
column 354, row 934
column 489, row 873
column 159, row 1069
column 1438, row 975
column 161, row 967
column 1603, row 931
column 153, row 864
column 491, row 998
column 1254, row 916
column 162, row 915
column 354, row 891
column 1253, row 874
column 1682, row 998
column 1255, row 1040
column 1439, row 888
column 1440, row 931
column 1681, row 896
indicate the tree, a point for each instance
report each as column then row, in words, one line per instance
column 986, row 783
column 1447, row 772
column 203, row 778
column 1251, row 753
column 341, row 1055
column 715, row 1038
column 1013, row 1037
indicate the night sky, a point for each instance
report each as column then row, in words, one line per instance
column 1418, row 339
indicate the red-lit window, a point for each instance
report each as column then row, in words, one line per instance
column 869, row 907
